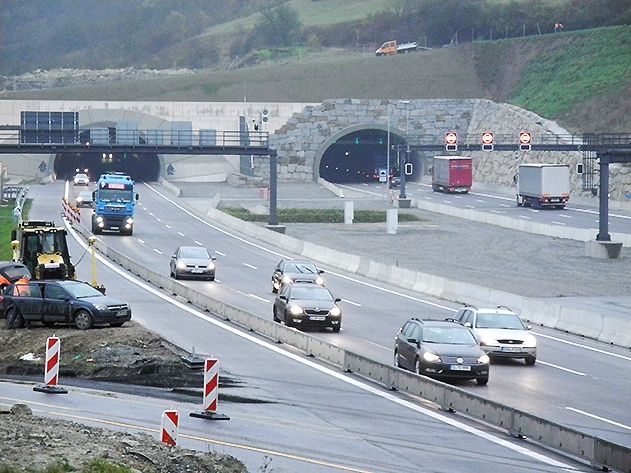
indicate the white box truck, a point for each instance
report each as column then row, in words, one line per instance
column 543, row 185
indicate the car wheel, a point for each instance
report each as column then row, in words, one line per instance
column 211, row 278
column 117, row 324
column 396, row 359
column 276, row 319
column 336, row 328
column 175, row 275
column 11, row 315
column 274, row 290
column 530, row 360
column 417, row 365
column 83, row 320
column 482, row 381
column 288, row 321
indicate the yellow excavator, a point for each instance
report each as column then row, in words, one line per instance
column 42, row 248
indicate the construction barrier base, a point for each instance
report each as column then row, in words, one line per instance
column 50, row 389
column 210, row 415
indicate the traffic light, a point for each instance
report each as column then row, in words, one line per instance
column 265, row 116
column 409, row 169
column 487, row 141
column 525, row 140
column 451, row 141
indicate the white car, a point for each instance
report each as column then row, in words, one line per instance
column 502, row 334
column 81, row 179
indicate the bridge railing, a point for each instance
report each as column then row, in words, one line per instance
column 136, row 138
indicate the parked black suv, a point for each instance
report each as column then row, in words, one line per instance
column 440, row 349
column 65, row 301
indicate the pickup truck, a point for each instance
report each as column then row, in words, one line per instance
column 391, row 47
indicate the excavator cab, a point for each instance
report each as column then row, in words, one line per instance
column 42, row 248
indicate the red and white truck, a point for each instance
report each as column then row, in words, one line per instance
column 543, row 185
column 452, row 174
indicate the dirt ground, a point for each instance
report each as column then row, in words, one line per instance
column 121, row 355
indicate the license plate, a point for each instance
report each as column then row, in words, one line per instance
column 317, row 317
column 121, row 313
column 460, row 368
column 197, row 271
column 510, row 349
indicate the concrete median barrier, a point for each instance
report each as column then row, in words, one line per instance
column 589, row 448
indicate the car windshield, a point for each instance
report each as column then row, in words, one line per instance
column 81, row 176
column 196, row 253
column 86, row 195
column 301, row 268
column 311, row 293
column 448, row 335
column 81, row 291
column 506, row 321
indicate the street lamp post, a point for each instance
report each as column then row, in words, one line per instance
column 407, row 152
column 388, row 151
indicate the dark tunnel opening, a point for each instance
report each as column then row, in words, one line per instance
column 362, row 156
column 140, row 167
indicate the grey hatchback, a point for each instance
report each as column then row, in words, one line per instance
column 192, row 262
column 65, row 301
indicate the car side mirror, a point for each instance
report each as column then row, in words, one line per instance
column 137, row 196
column 529, row 327
column 339, row 299
column 468, row 324
column 320, row 271
column 212, row 258
column 173, row 256
column 283, row 297
column 94, row 195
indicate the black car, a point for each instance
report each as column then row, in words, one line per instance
column 64, row 301
column 291, row 271
column 440, row 349
column 307, row 305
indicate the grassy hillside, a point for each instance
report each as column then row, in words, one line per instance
column 582, row 79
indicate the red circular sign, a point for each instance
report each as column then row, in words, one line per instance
column 524, row 138
column 451, row 138
column 487, row 138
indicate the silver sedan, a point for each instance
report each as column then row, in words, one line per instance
column 192, row 262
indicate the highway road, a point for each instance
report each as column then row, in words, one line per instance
column 575, row 382
column 576, row 216
column 312, row 418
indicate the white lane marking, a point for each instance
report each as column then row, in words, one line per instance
column 141, row 241
column 470, row 206
column 533, row 211
column 150, row 214
column 168, row 226
column 595, row 212
column 505, row 205
column 328, row 371
column 220, row 253
column 372, row 286
column 250, row 266
column 352, row 303
column 198, row 243
column 479, row 200
column 525, row 216
column 497, row 211
column 157, row 251
column 561, row 368
column 158, row 219
column 180, row 233
column 557, row 223
column 565, row 216
column 603, row 419
column 447, row 201
column 259, row 298
column 426, row 197
column 574, row 344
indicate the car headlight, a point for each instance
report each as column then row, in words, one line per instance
column 530, row 341
column 319, row 281
column 100, row 306
column 488, row 341
column 484, row 359
column 180, row 265
column 295, row 309
column 79, row 199
column 211, row 265
column 130, row 220
column 431, row 357
column 336, row 311
column 99, row 219
column 286, row 280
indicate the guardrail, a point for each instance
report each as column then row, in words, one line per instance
column 598, row 452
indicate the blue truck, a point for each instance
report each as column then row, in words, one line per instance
column 114, row 204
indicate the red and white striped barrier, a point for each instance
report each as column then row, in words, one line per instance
column 170, row 427
column 71, row 213
column 211, row 392
column 51, row 368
